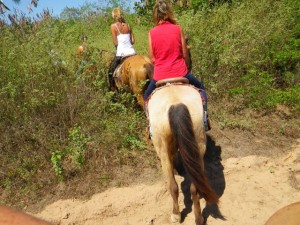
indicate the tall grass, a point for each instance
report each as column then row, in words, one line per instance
column 248, row 50
column 45, row 96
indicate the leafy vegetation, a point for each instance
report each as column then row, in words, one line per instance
column 58, row 122
column 249, row 50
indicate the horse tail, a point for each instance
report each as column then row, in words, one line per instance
column 185, row 140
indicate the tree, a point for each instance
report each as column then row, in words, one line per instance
column 4, row 8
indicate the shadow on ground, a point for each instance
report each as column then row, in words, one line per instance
column 214, row 172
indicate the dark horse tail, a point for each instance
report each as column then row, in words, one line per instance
column 184, row 138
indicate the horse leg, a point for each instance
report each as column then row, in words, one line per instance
column 140, row 100
column 176, row 216
column 135, row 78
column 172, row 185
column 199, row 220
column 197, row 208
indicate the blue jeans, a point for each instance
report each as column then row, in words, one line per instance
column 198, row 84
column 192, row 80
column 149, row 89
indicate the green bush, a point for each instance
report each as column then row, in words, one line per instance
column 249, row 47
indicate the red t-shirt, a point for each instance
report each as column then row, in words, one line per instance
column 167, row 51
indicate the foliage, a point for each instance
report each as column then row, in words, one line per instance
column 248, row 50
column 57, row 162
column 43, row 98
column 207, row 5
column 76, row 147
column 144, row 10
column 75, row 150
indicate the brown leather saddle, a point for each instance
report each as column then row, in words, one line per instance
column 119, row 67
column 177, row 80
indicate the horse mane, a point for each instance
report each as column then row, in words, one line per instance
column 185, row 140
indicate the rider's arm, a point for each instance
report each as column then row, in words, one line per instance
column 150, row 51
column 114, row 35
column 184, row 48
column 131, row 35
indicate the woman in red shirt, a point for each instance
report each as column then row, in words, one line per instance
column 168, row 51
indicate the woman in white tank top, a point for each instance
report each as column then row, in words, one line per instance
column 123, row 40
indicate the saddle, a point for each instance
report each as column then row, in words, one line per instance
column 174, row 81
column 177, row 80
column 119, row 67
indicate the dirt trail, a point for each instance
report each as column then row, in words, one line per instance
column 252, row 188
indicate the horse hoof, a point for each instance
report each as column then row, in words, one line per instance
column 175, row 218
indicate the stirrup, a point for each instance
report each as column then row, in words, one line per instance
column 149, row 130
column 208, row 127
column 206, row 121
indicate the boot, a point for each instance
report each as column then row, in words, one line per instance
column 112, row 85
column 149, row 132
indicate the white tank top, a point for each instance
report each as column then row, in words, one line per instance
column 124, row 47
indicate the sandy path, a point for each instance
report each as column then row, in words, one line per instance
column 252, row 188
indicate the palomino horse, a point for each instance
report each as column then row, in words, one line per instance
column 176, row 124
column 134, row 72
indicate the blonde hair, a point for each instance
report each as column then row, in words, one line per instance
column 162, row 11
column 118, row 15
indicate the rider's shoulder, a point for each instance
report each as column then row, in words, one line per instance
column 113, row 26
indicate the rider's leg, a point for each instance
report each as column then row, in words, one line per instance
column 115, row 62
column 149, row 89
column 194, row 81
column 147, row 93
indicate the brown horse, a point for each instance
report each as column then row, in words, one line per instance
column 134, row 72
column 176, row 121
column 9, row 216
